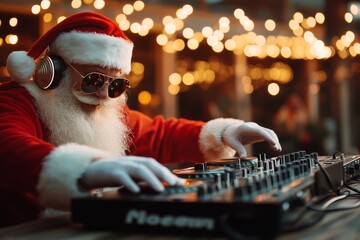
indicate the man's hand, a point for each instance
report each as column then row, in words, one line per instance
column 127, row 171
column 238, row 135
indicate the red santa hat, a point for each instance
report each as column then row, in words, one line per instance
column 83, row 38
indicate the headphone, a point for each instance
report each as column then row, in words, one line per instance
column 49, row 71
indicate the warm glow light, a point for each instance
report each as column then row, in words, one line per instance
column 76, row 4
column 169, row 47
column 60, row 19
column 188, row 79
column 161, row 39
column 174, row 89
column 298, row 17
column 354, row 9
column 120, row 17
column 273, row 89
column 207, row 31
column 128, row 9
column 238, row 13
column 188, row 9
column 143, row 31
column 285, row 52
column 224, row 21
column 167, row 20
column 181, row 13
column 144, row 98
column 45, row 4
column 99, row 4
column 13, row 22
column 192, row 44
column 135, row 27
column 357, row 48
column 219, row 35
column 188, row 33
column 138, row 5
column 148, row 23
column 35, row 9
column 47, row 17
column 175, row 79
column 248, row 89
column 179, row 24
column 320, row 18
column 124, row 24
column 179, row 45
column 230, row 44
column 218, row 47
column 348, row 17
column 270, row 25
column 311, row 22
column 11, row 39
column 137, row 68
column 170, row 28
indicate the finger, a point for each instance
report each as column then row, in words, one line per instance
column 265, row 134
column 275, row 137
column 237, row 145
column 125, row 180
column 145, row 174
column 162, row 172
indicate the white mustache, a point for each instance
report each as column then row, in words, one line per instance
column 95, row 101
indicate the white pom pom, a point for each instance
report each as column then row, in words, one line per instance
column 20, row 66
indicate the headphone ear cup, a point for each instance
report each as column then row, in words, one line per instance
column 49, row 71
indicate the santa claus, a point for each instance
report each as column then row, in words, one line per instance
column 65, row 128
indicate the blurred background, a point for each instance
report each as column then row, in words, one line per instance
column 289, row 65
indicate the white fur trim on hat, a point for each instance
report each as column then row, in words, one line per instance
column 94, row 48
column 62, row 169
column 20, row 66
column 210, row 139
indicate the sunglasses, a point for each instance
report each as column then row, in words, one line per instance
column 94, row 81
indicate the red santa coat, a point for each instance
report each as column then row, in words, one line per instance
column 35, row 173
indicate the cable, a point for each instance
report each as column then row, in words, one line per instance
column 351, row 188
column 327, row 203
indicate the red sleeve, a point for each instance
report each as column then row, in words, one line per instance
column 21, row 155
column 167, row 140
column 21, row 140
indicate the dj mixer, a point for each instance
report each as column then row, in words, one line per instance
column 228, row 197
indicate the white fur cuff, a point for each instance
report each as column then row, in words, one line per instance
column 62, row 169
column 210, row 141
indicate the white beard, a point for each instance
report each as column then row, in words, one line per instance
column 103, row 128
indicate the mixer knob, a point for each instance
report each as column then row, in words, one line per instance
column 243, row 172
column 310, row 162
column 201, row 191
column 201, row 167
column 269, row 165
column 262, row 156
column 297, row 172
column 268, row 185
column 314, row 157
column 287, row 159
column 297, row 155
column 302, row 153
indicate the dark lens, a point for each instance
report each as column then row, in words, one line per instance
column 118, row 87
column 92, row 82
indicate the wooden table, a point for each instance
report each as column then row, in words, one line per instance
column 344, row 225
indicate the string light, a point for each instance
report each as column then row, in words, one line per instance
column 304, row 44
